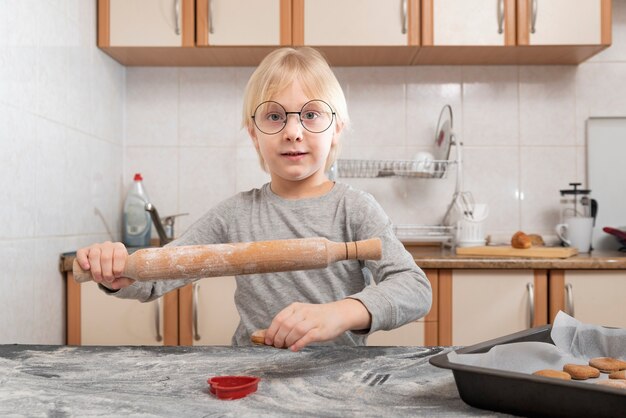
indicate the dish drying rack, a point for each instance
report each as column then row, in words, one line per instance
column 445, row 232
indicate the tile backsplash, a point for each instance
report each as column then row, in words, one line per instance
column 75, row 125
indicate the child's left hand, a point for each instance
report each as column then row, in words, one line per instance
column 301, row 324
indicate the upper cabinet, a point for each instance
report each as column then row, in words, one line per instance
column 564, row 22
column 501, row 31
column 468, row 23
column 354, row 32
column 359, row 32
column 145, row 23
column 243, row 22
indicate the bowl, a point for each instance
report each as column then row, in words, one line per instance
column 619, row 234
column 233, row 387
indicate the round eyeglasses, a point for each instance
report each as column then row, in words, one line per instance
column 316, row 116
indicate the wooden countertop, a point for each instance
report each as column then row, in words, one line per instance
column 437, row 258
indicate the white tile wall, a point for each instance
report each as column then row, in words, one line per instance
column 75, row 126
column 61, row 157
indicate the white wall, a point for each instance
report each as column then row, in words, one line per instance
column 523, row 128
column 61, row 136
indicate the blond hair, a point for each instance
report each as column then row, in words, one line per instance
column 281, row 68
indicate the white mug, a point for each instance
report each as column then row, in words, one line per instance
column 576, row 232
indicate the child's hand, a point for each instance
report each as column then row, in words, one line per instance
column 106, row 262
column 300, row 324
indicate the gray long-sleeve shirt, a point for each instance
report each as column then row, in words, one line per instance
column 401, row 293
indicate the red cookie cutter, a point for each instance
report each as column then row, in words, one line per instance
column 233, row 387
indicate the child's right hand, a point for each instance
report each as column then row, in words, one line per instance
column 106, row 262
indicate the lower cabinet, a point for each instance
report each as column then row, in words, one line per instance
column 94, row 318
column 479, row 305
column 207, row 313
column 591, row 296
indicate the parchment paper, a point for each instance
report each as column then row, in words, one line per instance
column 574, row 341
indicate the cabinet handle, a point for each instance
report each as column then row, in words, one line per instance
column 533, row 20
column 531, row 303
column 209, row 17
column 177, row 14
column 405, row 17
column 157, row 320
column 500, row 16
column 569, row 299
column 194, row 311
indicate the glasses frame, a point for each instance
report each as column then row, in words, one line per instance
column 332, row 118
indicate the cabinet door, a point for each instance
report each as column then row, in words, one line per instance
column 474, row 23
column 562, row 22
column 145, row 23
column 355, row 22
column 214, row 317
column 596, row 296
column 107, row 320
column 243, row 22
column 487, row 304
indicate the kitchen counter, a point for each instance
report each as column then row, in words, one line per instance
column 437, row 258
column 171, row 381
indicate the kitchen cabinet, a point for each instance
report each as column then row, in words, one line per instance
column 563, row 22
column 243, row 22
column 95, row 318
column 208, row 316
column 478, row 305
column 207, row 313
column 359, row 32
column 513, row 31
column 353, row 32
column 145, row 23
column 591, row 296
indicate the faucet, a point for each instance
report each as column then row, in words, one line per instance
column 165, row 226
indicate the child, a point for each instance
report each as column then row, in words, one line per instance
column 294, row 110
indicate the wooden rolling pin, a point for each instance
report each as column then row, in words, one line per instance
column 199, row 261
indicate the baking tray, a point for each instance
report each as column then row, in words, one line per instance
column 528, row 395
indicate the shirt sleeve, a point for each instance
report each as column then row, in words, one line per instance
column 401, row 292
column 212, row 228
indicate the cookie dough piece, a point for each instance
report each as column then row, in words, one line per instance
column 557, row 374
column 620, row 383
column 258, row 337
column 618, row 375
column 580, row 371
column 607, row 364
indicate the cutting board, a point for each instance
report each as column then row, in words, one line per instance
column 508, row 251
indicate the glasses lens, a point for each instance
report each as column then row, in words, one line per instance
column 316, row 116
column 270, row 117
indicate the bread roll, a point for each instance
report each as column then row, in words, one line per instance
column 520, row 240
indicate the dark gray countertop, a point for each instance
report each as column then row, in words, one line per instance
column 172, row 381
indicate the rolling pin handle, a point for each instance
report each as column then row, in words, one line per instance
column 369, row 249
column 80, row 275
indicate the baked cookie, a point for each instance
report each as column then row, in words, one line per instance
column 607, row 364
column 557, row 374
column 580, row 371
column 620, row 384
column 618, row 375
